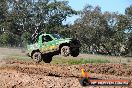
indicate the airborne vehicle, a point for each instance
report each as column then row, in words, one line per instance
column 48, row 45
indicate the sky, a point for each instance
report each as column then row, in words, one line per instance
column 106, row 5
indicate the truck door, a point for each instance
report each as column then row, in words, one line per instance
column 47, row 41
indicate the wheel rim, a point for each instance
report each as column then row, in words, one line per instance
column 37, row 57
column 65, row 51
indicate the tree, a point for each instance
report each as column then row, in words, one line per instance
column 3, row 15
column 91, row 27
column 107, row 29
column 9, row 39
column 51, row 14
column 128, row 13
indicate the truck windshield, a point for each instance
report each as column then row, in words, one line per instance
column 56, row 36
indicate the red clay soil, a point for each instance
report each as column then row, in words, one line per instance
column 16, row 74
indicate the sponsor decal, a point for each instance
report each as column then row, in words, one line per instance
column 52, row 47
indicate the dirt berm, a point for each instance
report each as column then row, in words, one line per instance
column 16, row 74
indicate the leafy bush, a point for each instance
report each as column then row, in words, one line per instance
column 26, row 38
column 9, row 39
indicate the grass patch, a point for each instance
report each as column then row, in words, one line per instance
column 19, row 58
column 78, row 61
column 84, row 61
column 63, row 60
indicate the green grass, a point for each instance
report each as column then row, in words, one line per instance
column 63, row 60
column 75, row 61
column 84, row 61
column 19, row 58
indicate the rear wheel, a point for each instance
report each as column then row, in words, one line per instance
column 75, row 52
column 65, row 51
column 47, row 58
column 37, row 57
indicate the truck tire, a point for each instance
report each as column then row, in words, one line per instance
column 75, row 52
column 47, row 58
column 37, row 57
column 65, row 51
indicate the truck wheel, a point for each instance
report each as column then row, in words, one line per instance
column 65, row 51
column 37, row 57
column 47, row 58
column 75, row 52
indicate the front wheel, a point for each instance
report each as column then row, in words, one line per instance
column 75, row 52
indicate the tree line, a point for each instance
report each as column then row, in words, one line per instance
column 98, row 32
column 107, row 33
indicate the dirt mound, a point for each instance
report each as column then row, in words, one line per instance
column 40, row 69
column 107, row 69
column 16, row 74
column 22, row 80
column 73, row 70
column 110, row 69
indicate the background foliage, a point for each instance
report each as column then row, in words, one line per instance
column 103, row 32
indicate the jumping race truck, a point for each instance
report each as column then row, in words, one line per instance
column 48, row 45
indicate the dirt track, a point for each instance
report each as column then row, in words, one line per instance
column 15, row 74
column 22, row 74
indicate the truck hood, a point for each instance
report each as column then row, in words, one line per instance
column 66, row 40
column 71, row 41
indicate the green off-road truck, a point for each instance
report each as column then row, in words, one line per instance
column 48, row 45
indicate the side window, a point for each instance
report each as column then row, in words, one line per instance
column 46, row 38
